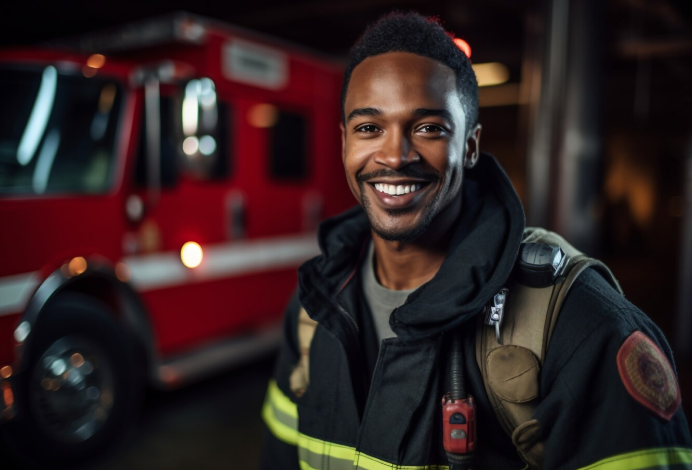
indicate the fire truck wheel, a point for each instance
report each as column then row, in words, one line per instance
column 82, row 390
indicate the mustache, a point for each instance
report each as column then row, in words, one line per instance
column 405, row 172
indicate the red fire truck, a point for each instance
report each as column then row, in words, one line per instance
column 156, row 196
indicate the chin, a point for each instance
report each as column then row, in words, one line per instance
column 403, row 225
column 397, row 233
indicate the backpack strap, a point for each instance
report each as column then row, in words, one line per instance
column 511, row 367
column 300, row 377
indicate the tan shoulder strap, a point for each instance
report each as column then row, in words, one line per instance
column 575, row 270
column 511, row 368
column 300, row 377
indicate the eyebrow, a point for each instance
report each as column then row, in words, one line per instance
column 363, row 112
column 443, row 113
column 420, row 112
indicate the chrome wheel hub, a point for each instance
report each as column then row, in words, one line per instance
column 72, row 389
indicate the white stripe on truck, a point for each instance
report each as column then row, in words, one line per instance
column 164, row 270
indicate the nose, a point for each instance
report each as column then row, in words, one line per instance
column 396, row 151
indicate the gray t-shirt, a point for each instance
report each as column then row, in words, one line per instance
column 381, row 300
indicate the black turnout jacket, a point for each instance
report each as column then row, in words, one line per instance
column 377, row 406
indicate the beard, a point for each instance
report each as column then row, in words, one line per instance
column 394, row 233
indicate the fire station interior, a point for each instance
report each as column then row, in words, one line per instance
column 586, row 104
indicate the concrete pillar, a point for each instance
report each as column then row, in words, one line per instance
column 565, row 155
column 683, row 324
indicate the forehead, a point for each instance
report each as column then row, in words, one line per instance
column 401, row 77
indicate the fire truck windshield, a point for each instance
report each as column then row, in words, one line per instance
column 57, row 131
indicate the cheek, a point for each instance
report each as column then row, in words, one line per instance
column 351, row 179
column 453, row 171
column 353, row 165
column 456, row 149
column 353, row 186
column 455, row 180
column 355, row 158
column 444, row 159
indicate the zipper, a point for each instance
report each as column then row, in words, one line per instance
column 368, row 401
column 335, row 301
column 351, row 320
column 349, row 379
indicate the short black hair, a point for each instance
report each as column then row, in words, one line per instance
column 411, row 32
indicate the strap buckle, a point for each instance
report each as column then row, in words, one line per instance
column 494, row 312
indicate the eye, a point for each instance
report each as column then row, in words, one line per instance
column 431, row 129
column 368, row 129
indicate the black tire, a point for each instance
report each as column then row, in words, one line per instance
column 83, row 329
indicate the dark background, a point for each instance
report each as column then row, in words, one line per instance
column 634, row 79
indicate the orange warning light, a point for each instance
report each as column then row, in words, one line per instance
column 96, row 61
column 7, row 395
column 77, row 266
column 464, row 46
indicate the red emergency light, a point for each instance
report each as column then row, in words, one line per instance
column 464, row 46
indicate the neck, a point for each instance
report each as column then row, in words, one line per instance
column 408, row 265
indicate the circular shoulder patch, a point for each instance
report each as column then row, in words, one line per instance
column 648, row 376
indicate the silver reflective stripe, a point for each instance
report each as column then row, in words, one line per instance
column 282, row 417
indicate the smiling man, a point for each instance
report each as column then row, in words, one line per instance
column 434, row 288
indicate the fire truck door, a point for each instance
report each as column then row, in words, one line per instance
column 281, row 138
column 174, row 243
column 281, row 207
column 235, row 217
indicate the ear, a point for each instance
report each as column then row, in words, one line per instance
column 473, row 151
column 343, row 141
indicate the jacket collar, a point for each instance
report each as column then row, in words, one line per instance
column 482, row 253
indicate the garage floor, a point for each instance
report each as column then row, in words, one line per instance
column 211, row 425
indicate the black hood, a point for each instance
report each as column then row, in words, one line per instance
column 481, row 256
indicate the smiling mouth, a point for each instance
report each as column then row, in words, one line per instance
column 399, row 189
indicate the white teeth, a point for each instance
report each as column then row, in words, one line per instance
column 398, row 190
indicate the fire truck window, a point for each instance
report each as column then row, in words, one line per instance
column 169, row 171
column 204, row 130
column 57, row 131
column 288, row 154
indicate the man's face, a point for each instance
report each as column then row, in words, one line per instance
column 404, row 141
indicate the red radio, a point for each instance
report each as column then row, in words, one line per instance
column 459, row 425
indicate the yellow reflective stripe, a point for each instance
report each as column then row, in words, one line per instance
column 280, row 430
column 281, row 401
column 306, row 466
column 276, row 400
column 319, row 446
column 277, row 403
column 367, row 462
column 361, row 461
column 644, row 459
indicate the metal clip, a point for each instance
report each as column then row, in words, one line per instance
column 494, row 313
